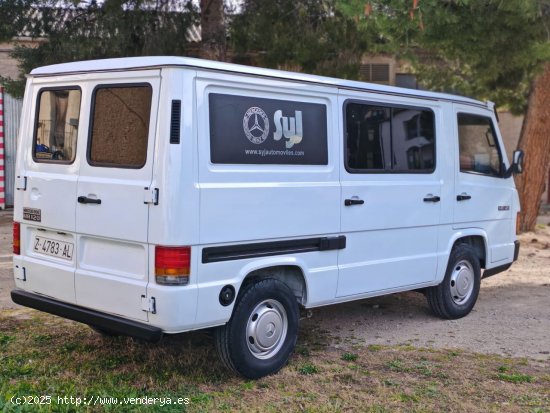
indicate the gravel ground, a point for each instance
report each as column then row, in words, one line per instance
column 511, row 317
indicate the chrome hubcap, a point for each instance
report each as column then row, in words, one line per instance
column 462, row 282
column 266, row 329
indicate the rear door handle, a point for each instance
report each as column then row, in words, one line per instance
column 353, row 201
column 432, row 199
column 463, row 197
column 86, row 200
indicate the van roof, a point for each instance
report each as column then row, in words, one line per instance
column 138, row 63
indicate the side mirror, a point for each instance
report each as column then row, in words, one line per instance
column 517, row 164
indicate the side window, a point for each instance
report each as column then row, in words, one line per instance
column 389, row 139
column 478, row 147
column 120, row 126
column 56, row 128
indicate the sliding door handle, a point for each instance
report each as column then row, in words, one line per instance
column 463, row 197
column 431, row 198
column 353, row 201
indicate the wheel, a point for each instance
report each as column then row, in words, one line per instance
column 261, row 334
column 457, row 294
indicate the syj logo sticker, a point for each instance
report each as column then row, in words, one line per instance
column 289, row 127
column 256, row 125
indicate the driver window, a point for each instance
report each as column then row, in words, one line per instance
column 478, row 146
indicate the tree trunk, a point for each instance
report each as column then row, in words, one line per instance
column 535, row 142
column 213, row 35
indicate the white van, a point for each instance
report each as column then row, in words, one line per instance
column 160, row 195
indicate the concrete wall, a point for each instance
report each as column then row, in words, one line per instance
column 8, row 65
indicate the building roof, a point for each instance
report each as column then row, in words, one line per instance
column 138, row 63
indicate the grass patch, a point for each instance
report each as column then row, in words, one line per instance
column 516, row 378
column 349, row 356
column 308, row 369
column 45, row 355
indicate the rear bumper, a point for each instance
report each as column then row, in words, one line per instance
column 84, row 315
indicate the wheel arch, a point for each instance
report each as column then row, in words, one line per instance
column 289, row 271
column 476, row 238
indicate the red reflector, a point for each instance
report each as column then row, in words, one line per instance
column 172, row 260
column 16, row 238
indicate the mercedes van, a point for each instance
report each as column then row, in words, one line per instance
column 159, row 195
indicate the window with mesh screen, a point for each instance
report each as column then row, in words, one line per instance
column 120, row 126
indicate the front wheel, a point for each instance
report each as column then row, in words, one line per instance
column 261, row 334
column 457, row 294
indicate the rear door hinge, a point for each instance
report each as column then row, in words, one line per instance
column 19, row 273
column 149, row 304
column 151, row 196
column 21, row 183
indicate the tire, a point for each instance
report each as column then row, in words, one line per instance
column 457, row 294
column 261, row 334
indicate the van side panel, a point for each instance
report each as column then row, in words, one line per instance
column 243, row 204
column 253, row 202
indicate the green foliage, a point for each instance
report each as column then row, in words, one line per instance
column 308, row 369
column 516, row 378
column 487, row 49
column 113, row 28
column 308, row 35
column 349, row 357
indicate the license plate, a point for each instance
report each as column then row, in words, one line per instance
column 53, row 247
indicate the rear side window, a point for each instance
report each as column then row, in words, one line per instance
column 120, row 126
column 389, row 139
column 56, row 128
column 478, row 148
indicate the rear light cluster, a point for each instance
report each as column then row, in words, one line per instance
column 172, row 265
column 16, row 238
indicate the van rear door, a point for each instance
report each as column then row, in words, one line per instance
column 114, row 194
column 47, row 170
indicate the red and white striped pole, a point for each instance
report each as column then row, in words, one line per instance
column 2, row 146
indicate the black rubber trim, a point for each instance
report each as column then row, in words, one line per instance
column 496, row 270
column 266, row 249
column 516, row 250
column 84, row 315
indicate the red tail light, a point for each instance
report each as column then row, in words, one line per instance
column 172, row 265
column 16, row 238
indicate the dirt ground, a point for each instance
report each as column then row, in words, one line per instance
column 511, row 317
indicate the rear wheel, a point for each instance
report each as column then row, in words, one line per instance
column 457, row 294
column 261, row 334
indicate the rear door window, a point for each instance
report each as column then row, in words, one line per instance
column 119, row 127
column 56, row 126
